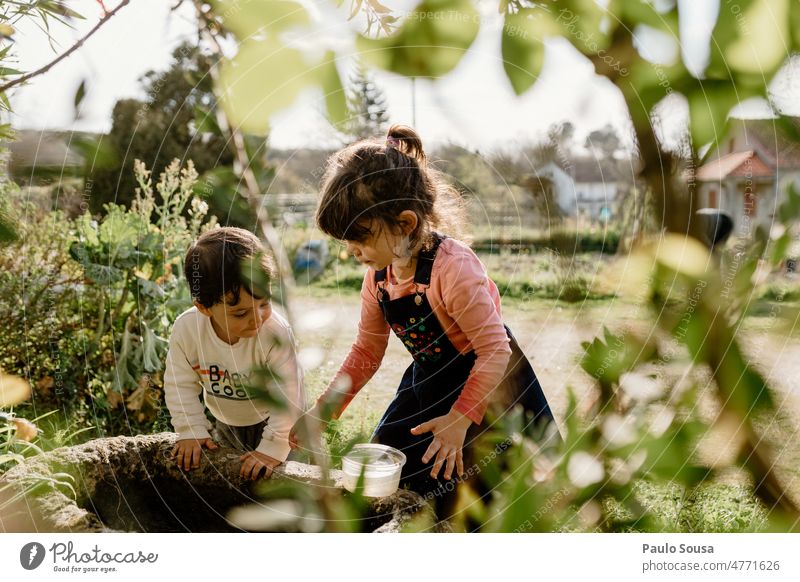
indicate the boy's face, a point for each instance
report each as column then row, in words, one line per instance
column 244, row 319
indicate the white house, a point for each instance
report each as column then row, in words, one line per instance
column 553, row 189
column 597, row 188
column 581, row 188
column 747, row 174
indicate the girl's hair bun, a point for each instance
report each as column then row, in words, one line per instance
column 406, row 140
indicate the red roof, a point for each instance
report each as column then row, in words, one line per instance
column 737, row 165
column 775, row 141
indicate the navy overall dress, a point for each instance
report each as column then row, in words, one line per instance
column 433, row 382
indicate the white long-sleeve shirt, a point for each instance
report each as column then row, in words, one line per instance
column 199, row 361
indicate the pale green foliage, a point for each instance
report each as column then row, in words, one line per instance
column 267, row 75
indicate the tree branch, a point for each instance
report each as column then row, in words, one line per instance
column 242, row 167
column 72, row 49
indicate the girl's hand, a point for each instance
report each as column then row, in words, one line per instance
column 449, row 432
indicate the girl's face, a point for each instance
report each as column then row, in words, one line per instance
column 376, row 251
column 384, row 245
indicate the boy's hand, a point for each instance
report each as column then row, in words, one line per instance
column 187, row 452
column 253, row 463
column 449, row 432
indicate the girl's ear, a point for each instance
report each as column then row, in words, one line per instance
column 408, row 221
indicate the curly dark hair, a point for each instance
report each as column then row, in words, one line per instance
column 226, row 260
column 377, row 179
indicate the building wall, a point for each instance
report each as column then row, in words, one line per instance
column 580, row 198
column 592, row 197
column 563, row 185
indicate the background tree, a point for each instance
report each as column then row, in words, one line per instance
column 173, row 121
column 367, row 112
column 603, row 142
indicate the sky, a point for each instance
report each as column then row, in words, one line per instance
column 474, row 106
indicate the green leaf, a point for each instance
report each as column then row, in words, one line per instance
column 8, row 457
column 264, row 384
column 669, row 455
column 80, row 93
column 430, row 43
column 6, row 104
column 263, row 78
column 96, row 153
column 618, row 355
column 644, row 12
column 586, row 25
column 331, row 83
column 205, row 121
column 62, row 9
column 779, row 248
column 751, row 37
column 122, row 377
column 649, row 84
column 789, row 210
column 742, row 388
column 120, row 231
column 522, row 499
column 148, row 290
column 246, row 19
column 522, row 48
column 8, row 232
column 794, row 24
column 709, row 104
column 152, row 346
column 6, row 71
column 87, row 230
column 103, row 274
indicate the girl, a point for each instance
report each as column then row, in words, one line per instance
column 432, row 291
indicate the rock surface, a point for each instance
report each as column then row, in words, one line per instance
column 132, row 484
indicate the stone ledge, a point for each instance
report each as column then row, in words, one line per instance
column 132, row 484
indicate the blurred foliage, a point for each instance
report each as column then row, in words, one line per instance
column 13, row 451
column 90, row 303
column 8, row 231
column 262, row 54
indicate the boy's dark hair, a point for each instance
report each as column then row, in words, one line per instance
column 377, row 179
column 226, row 260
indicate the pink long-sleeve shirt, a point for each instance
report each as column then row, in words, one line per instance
column 467, row 304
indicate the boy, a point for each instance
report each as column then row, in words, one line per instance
column 215, row 347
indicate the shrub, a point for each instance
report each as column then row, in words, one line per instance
column 92, row 310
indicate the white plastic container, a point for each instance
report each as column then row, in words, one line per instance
column 381, row 466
